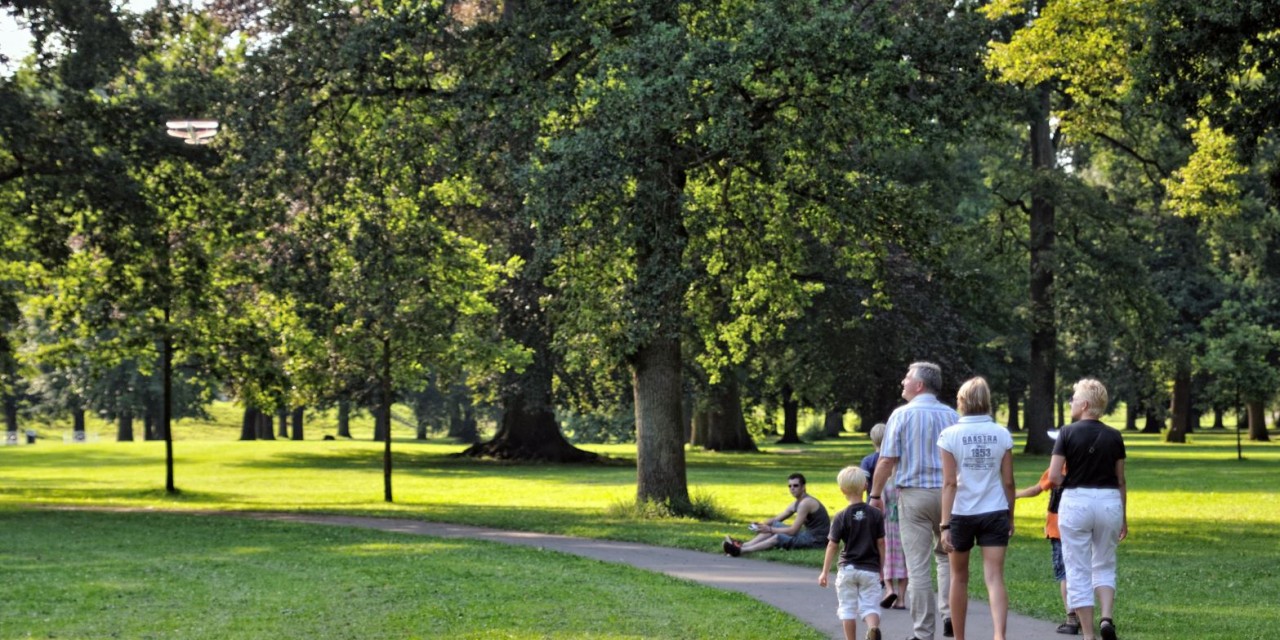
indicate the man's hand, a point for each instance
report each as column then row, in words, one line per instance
column 822, row 579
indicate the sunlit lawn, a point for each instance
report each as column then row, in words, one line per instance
column 1202, row 523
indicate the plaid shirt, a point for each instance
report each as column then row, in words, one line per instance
column 911, row 436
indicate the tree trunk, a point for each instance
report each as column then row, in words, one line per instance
column 124, row 427
column 282, row 418
column 660, row 465
column 265, row 428
column 11, row 413
column 77, row 425
column 1257, row 421
column 1155, row 423
column 1218, row 422
column 833, row 423
column 297, row 423
column 528, row 429
column 344, row 418
column 1180, row 407
column 725, row 428
column 1042, row 373
column 421, row 411
column 249, row 424
column 790, row 418
column 1015, row 402
column 384, row 415
column 1131, row 416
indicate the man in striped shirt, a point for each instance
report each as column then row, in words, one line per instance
column 910, row 450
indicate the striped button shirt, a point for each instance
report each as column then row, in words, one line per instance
column 911, row 436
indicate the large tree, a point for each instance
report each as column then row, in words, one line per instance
column 717, row 144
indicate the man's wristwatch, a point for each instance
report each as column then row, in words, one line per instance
column 944, row 527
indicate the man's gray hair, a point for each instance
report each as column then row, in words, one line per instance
column 928, row 373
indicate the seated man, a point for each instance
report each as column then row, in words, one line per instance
column 809, row 529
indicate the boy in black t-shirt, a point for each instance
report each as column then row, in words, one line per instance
column 860, row 528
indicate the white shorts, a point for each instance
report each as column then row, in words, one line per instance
column 858, row 593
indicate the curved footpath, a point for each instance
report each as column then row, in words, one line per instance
column 790, row 588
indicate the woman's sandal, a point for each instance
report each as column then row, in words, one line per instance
column 888, row 601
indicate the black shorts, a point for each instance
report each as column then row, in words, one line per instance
column 987, row 529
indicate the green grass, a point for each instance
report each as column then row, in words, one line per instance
column 1202, row 523
column 96, row 575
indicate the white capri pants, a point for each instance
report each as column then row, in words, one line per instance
column 1090, row 521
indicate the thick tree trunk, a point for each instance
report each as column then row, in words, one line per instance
column 282, row 418
column 344, row 418
column 528, row 429
column 660, row 464
column 1257, row 422
column 833, row 424
column 1042, row 373
column 1180, row 407
column 723, row 426
column 1218, row 422
column 297, row 419
column 1015, row 402
column 1155, row 422
column 77, row 425
column 249, row 424
column 1131, row 416
column 124, row 427
column 265, row 428
column 790, row 418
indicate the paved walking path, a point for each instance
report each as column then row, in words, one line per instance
column 790, row 588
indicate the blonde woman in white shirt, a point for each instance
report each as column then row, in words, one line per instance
column 977, row 502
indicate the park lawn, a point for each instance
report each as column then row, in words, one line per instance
column 1201, row 522
column 139, row 575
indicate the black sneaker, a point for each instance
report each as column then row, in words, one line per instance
column 1107, row 629
column 947, row 631
column 732, row 549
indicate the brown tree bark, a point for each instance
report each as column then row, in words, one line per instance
column 660, row 465
column 1180, row 407
column 249, row 424
column 723, row 427
column 833, row 424
column 297, row 419
column 124, row 427
column 1257, row 421
column 1042, row 374
column 344, row 418
column 790, row 418
column 1015, row 408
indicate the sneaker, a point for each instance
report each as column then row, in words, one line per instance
column 1107, row 629
column 732, row 549
column 947, row 631
column 873, row 633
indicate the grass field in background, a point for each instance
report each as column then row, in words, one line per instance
column 108, row 575
column 1201, row 523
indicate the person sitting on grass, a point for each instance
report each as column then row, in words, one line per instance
column 810, row 528
column 860, row 528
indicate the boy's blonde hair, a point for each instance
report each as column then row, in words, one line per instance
column 852, row 481
column 877, row 434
